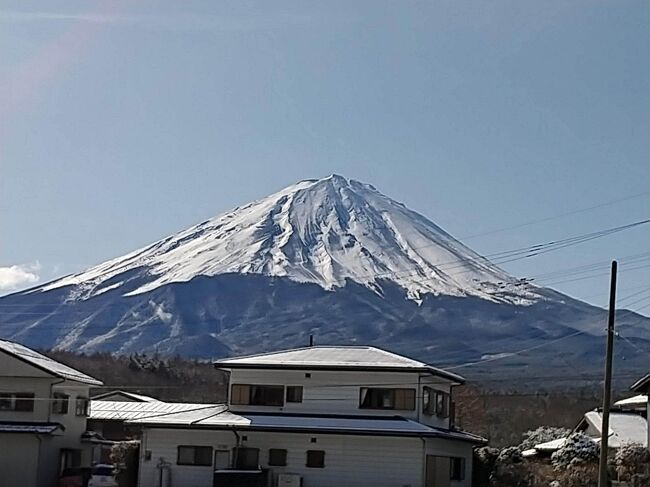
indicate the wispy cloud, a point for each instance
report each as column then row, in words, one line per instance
column 168, row 22
column 17, row 276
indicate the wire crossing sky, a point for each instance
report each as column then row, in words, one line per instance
column 506, row 123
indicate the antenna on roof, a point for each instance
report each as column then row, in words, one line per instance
column 311, row 340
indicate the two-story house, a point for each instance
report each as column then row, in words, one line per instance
column 317, row 417
column 43, row 410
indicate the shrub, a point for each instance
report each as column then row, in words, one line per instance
column 542, row 435
column 578, row 449
column 631, row 460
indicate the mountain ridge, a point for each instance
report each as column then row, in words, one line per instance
column 330, row 257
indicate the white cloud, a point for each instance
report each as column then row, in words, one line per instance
column 17, row 276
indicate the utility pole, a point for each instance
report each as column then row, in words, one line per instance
column 607, row 387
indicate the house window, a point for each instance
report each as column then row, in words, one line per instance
column 16, row 401
column 435, row 402
column 81, row 406
column 277, row 457
column 377, row 398
column 457, row 468
column 60, row 403
column 315, row 459
column 246, row 458
column 194, row 455
column 257, row 395
column 294, row 393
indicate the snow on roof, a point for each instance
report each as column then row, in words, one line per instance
column 624, row 428
column 219, row 417
column 130, row 410
column 25, row 427
column 129, row 395
column 47, row 364
column 334, row 357
column 641, row 400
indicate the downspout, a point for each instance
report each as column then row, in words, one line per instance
column 39, row 470
column 419, row 397
column 238, row 443
column 424, row 461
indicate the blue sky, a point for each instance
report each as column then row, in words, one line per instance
column 123, row 122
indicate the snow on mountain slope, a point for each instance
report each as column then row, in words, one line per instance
column 322, row 231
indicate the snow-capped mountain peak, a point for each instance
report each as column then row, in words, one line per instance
column 324, row 231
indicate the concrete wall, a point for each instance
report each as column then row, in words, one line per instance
column 338, row 392
column 351, row 461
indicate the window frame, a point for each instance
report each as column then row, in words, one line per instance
column 237, row 458
column 194, row 462
column 22, row 402
column 393, row 393
column 309, row 456
column 60, row 403
column 275, row 463
column 298, row 398
column 435, row 402
column 249, row 395
column 82, row 406
column 457, row 468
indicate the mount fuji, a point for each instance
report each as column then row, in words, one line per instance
column 330, row 257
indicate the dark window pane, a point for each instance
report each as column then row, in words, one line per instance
column 59, row 403
column 294, row 393
column 185, row 455
column 203, row 455
column 315, row 458
column 24, row 402
column 457, row 468
column 277, row 457
column 267, row 395
column 246, row 457
column 381, row 398
column 194, row 455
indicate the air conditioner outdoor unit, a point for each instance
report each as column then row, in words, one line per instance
column 289, row 480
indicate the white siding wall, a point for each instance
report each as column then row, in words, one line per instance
column 337, row 392
column 20, row 377
column 351, row 461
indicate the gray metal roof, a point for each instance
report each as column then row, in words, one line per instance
column 46, row 364
column 335, row 357
column 26, row 427
column 219, row 417
column 130, row 410
column 129, row 395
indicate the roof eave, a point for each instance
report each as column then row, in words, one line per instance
column 380, row 368
column 641, row 385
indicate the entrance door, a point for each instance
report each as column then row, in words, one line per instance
column 437, row 471
column 221, row 459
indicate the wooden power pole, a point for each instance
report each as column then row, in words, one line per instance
column 607, row 387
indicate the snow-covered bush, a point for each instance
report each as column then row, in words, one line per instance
column 577, row 450
column 509, row 469
column 542, row 435
column 511, row 454
column 631, row 460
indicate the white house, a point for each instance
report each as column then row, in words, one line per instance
column 642, row 386
column 43, row 410
column 316, row 417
